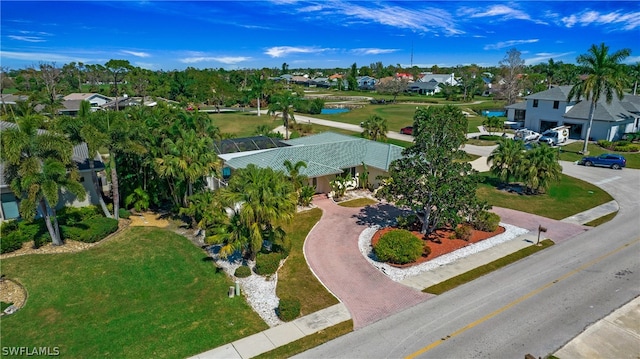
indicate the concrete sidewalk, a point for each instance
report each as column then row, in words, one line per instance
column 288, row 332
column 615, row 336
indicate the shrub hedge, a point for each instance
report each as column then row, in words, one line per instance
column 242, row 272
column 288, row 309
column 124, row 213
column 90, row 230
column 399, row 246
column 14, row 233
column 486, row 221
column 267, row 263
column 464, row 232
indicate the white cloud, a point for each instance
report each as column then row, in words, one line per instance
column 279, row 51
column 545, row 56
column 502, row 11
column 372, row 51
column 624, row 21
column 27, row 38
column 41, row 57
column 228, row 60
column 510, row 43
column 135, row 53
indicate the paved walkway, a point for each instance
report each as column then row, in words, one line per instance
column 332, row 252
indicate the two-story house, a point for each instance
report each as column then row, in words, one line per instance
column 550, row 108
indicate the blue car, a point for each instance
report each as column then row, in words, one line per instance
column 612, row 160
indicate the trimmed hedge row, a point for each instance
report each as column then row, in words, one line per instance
column 90, row 230
column 14, row 233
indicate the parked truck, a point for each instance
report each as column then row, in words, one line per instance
column 555, row 136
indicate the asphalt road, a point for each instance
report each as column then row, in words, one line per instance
column 533, row 306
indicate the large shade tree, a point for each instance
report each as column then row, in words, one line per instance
column 604, row 76
column 39, row 166
column 431, row 179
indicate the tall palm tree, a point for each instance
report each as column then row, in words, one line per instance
column 283, row 103
column 38, row 166
column 79, row 129
column 604, row 76
column 375, row 128
column 505, row 158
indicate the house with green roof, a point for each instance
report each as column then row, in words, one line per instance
column 327, row 155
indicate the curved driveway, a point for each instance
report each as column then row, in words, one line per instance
column 331, row 249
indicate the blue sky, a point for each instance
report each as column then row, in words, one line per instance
column 167, row 35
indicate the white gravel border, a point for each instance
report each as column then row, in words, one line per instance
column 259, row 291
column 398, row 274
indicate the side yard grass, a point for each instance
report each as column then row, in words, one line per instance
column 146, row 293
column 295, row 279
column 563, row 199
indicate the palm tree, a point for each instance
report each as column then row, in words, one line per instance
column 38, row 166
column 375, row 128
column 505, row 158
column 293, row 170
column 265, row 199
column 79, row 129
column 283, row 103
column 540, row 167
column 604, row 76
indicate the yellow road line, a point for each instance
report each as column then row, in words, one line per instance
column 519, row 300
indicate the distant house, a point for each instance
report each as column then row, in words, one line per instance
column 95, row 99
column 424, row 88
column 366, row 82
column 550, row 108
column 327, row 155
column 448, row 79
column 9, row 202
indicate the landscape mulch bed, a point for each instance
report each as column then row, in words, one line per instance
column 445, row 245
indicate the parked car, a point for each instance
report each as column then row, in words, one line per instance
column 407, row 130
column 612, row 160
column 526, row 135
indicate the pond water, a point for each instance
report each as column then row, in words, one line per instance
column 494, row 113
column 333, row 111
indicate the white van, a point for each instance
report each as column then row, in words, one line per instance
column 555, row 135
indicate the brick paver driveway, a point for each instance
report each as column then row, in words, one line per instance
column 332, row 252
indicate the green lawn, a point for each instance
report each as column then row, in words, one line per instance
column 242, row 124
column 295, row 279
column 567, row 197
column 147, row 293
column 570, row 153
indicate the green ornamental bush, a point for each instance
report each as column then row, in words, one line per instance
column 91, row 230
column 12, row 242
column 242, row 272
column 123, row 213
column 288, row 309
column 486, row 221
column 399, row 246
column 267, row 263
column 407, row 222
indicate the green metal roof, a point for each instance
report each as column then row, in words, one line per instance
column 325, row 154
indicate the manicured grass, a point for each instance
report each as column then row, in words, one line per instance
column 146, row 293
column 570, row 153
column 242, row 124
column 477, row 142
column 308, row 342
column 295, row 279
column 563, row 199
column 487, row 268
column 604, row 219
column 358, row 202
